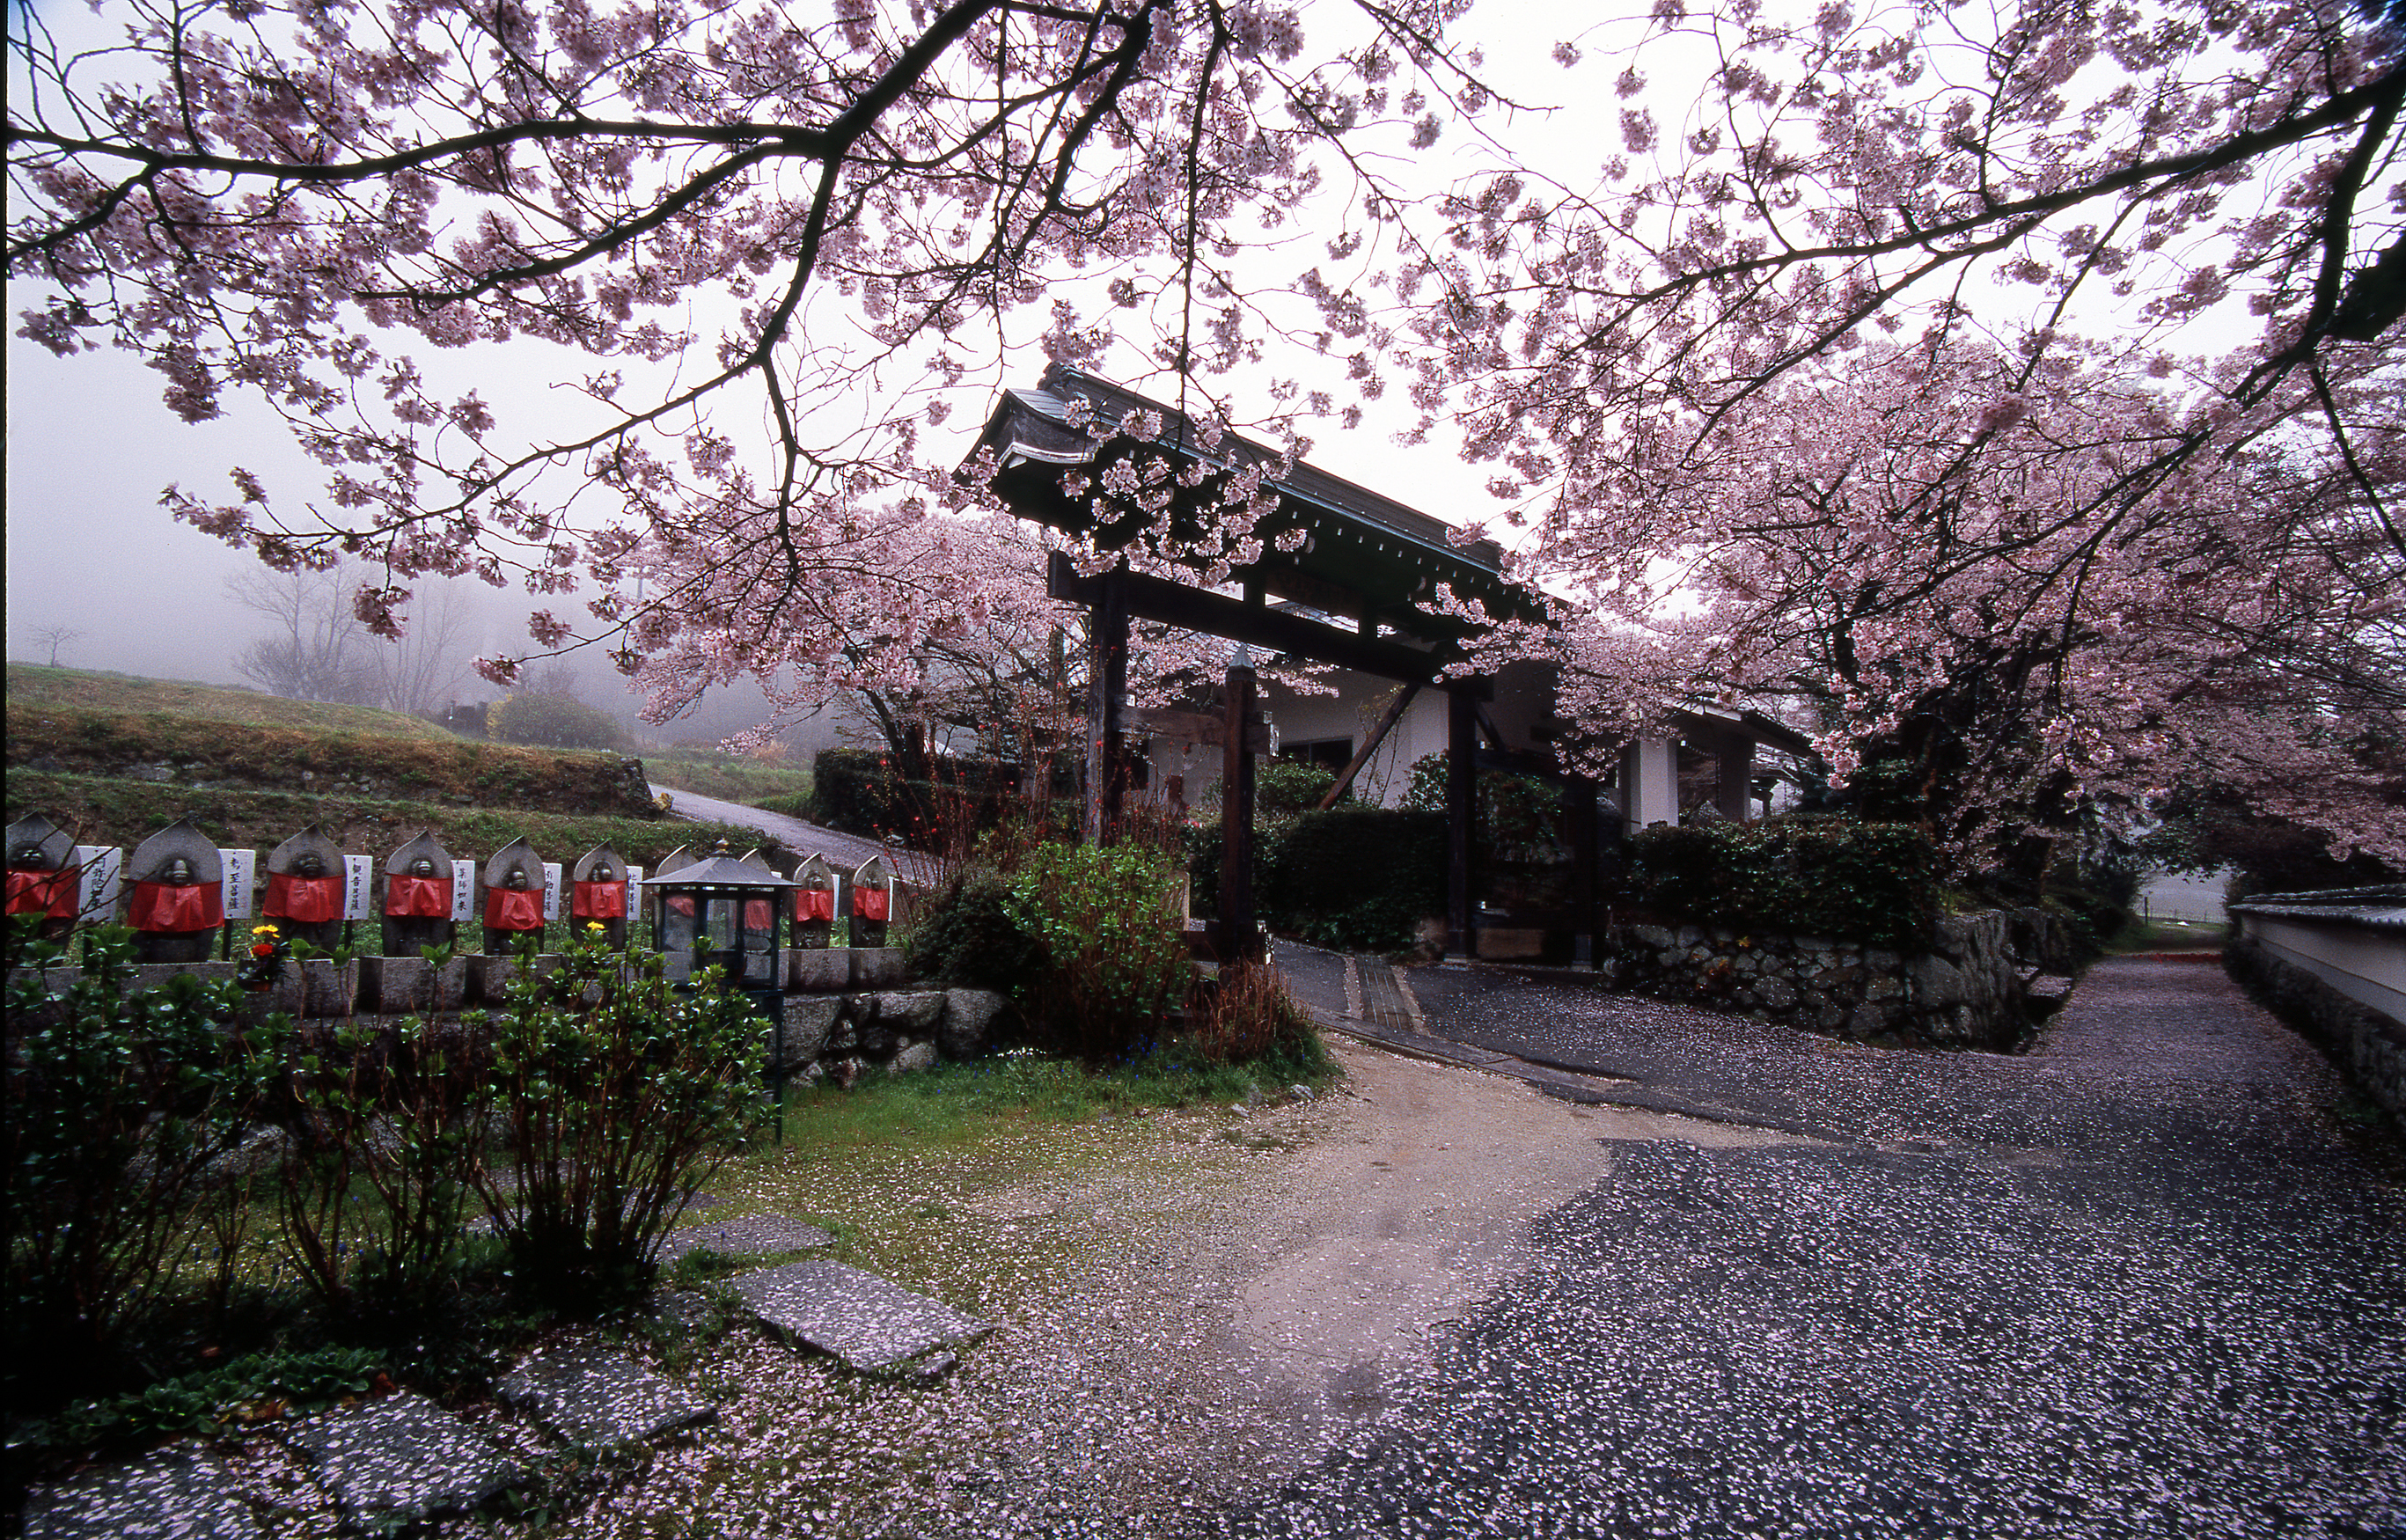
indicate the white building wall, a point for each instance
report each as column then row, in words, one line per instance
column 2366, row 965
column 1352, row 714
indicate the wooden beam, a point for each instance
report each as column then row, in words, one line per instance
column 1395, row 714
column 1107, row 681
column 1157, row 599
column 1208, row 728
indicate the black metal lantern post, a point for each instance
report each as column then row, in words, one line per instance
column 723, row 912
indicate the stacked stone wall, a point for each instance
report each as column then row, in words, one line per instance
column 1968, row 989
column 846, row 1011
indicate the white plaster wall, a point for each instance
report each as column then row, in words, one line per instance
column 2366, row 965
column 1353, row 712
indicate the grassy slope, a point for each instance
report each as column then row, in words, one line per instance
column 727, row 776
column 120, row 693
column 114, row 759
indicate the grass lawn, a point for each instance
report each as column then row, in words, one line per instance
column 730, row 777
column 119, row 694
column 2170, row 936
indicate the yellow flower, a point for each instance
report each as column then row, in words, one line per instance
column 265, row 930
column 595, row 926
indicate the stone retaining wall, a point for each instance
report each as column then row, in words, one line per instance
column 844, row 1011
column 1968, row 990
column 2368, row 1047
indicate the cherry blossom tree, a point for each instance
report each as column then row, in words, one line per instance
column 753, row 256
column 1935, row 579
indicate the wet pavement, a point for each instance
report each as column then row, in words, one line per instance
column 2144, row 1280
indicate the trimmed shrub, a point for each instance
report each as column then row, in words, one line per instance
column 1353, row 876
column 1520, row 816
column 1114, row 948
column 1289, row 785
column 1813, row 876
column 861, row 792
column 554, row 722
column 968, row 938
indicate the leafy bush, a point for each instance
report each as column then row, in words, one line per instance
column 120, row 1101
column 1114, row 947
column 1818, row 876
column 968, row 938
column 1520, row 816
column 1290, row 785
column 554, row 722
column 398, row 1114
column 621, row 1094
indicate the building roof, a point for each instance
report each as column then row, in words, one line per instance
column 2381, row 908
column 1356, row 553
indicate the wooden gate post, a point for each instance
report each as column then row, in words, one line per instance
column 1107, row 682
column 1462, row 817
column 1238, row 937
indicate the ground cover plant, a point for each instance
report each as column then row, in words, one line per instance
column 209, row 1209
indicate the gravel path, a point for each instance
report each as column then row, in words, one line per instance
column 846, row 851
column 2139, row 1282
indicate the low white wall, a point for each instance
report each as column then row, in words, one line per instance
column 2367, row 965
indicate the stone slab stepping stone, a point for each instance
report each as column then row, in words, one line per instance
column 860, row 1318
column 597, row 1396
column 179, row 1492
column 403, row 1456
column 752, row 1232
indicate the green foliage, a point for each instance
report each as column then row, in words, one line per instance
column 386, row 1134
column 554, row 722
column 1283, row 786
column 1520, row 816
column 864, row 792
column 1818, row 876
column 269, row 1385
column 968, row 938
column 1114, row 947
column 119, row 1100
column 621, row 1094
column 1353, row 876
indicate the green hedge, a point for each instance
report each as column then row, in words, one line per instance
column 1356, row 877
column 1870, row 882
column 860, row 791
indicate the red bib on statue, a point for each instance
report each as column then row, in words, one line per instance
column 180, row 906
column 50, row 893
column 872, row 903
column 600, row 901
column 309, row 900
column 814, row 903
column 512, row 909
column 417, row 898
